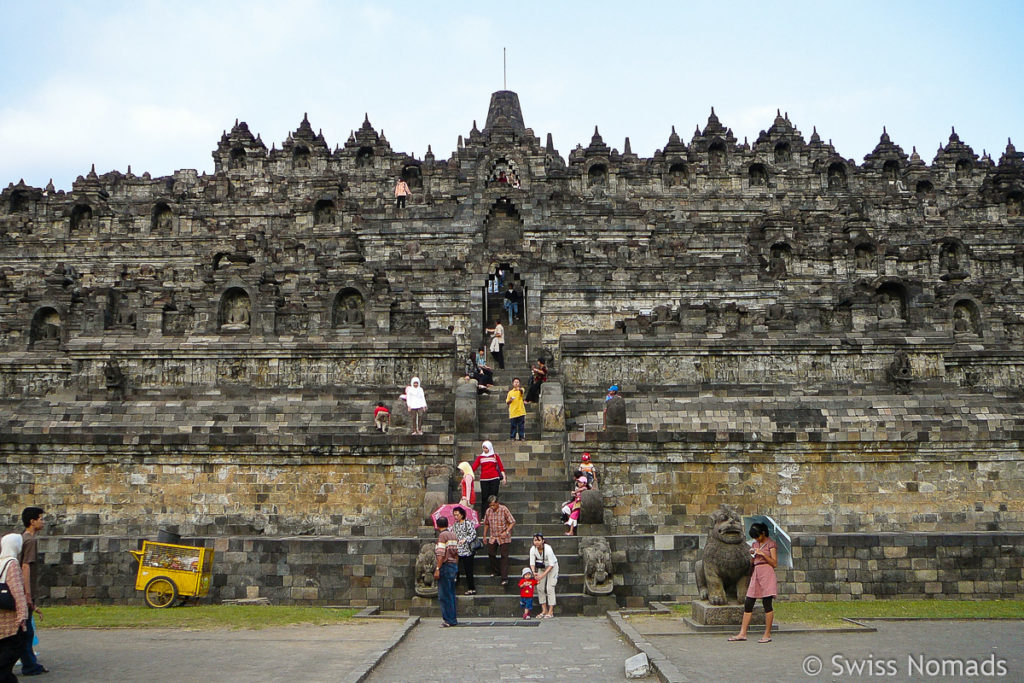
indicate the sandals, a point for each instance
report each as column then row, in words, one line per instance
column 765, row 640
column 736, row 639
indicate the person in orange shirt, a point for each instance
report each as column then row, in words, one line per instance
column 402, row 191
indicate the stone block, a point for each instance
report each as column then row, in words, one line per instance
column 466, row 408
column 552, row 408
column 706, row 614
column 637, row 666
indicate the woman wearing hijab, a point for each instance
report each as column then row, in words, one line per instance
column 466, row 485
column 416, row 402
column 12, row 622
column 492, row 474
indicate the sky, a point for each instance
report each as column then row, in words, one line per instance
column 154, row 84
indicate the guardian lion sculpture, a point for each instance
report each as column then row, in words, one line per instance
column 597, row 565
column 723, row 572
column 426, row 562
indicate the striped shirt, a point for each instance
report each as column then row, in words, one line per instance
column 447, row 548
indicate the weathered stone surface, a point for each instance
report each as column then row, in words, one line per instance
column 723, row 572
column 552, row 410
column 381, row 570
column 466, row 408
column 637, row 666
column 592, row 506
column 706, row 614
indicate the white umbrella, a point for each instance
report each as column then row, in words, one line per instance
column 777, row 534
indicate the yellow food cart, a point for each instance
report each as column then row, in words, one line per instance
column 170, row 572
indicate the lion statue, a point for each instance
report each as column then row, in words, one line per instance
column 723, row 572
column 597, row 565
column 426, row 563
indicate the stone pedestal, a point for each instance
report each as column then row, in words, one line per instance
column 466, row 407
column 592, row 507
column 706, row 614
column 552, row 410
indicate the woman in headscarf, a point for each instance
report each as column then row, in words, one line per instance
column 492, row 474
column 466, row 533
column 416, row 402
column 468, row 495
column 12, row 622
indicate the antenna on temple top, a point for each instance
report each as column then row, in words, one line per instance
column 504, row 71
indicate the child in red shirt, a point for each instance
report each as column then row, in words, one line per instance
column 527, row 584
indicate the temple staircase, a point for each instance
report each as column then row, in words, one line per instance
column 538, row 484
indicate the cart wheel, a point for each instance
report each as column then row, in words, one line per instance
column 160, row 592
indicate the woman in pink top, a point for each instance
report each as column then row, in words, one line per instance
column 764, row 555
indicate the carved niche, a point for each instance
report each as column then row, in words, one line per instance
column 119, row 313
column 237, row 160
column 837, row 176
column 349, row 311
column 779, row 260
column 163, row 218
column 892, row 302
column 758, row 175
column 864, row 256
column 45, row 329
column 677, row 176
column 597, row 176
column 235, row 314
column 81, row 218
column 783, row 153
column 323, row 212
column 300, row 157
column 966, row 319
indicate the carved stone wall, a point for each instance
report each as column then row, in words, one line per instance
column 859, row 482
column 205, row 485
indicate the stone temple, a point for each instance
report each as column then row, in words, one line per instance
column 839, row 345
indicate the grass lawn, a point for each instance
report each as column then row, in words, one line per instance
column 192, row 617
column 832, row 613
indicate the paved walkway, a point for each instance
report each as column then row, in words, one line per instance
column 578, row 649
column 897, row 651
column 295, row 653
column 562, row 649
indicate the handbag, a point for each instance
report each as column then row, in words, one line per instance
column 6, row 597
column 475, row 545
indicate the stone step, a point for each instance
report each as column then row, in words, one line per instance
column 490, row 586
column 538, row 448
column 532, row 495
column 554, row 473
column 568, row 604
column 524, row 489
